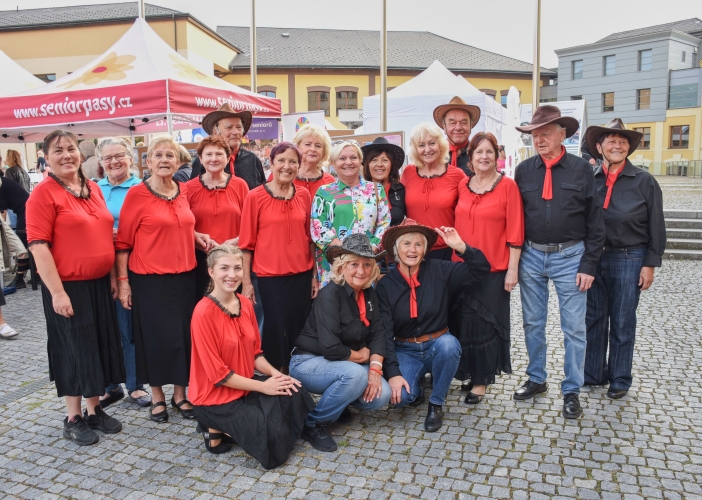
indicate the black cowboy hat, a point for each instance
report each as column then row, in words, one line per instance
column 396, row 153
column 226, row 111
column 354, row 244
column 407, row 226
column 544, row 115
column 593, row 133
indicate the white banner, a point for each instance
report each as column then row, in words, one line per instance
column 293, row 121
column 575, row 109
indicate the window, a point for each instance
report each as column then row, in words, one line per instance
column 645, row 59
column 608, row 65
column 607, row 102
column 683, row 56
column 318, row 100
column 646, row 139
column 578, row 70
column 683, row 96
column 679, row 136
column 576, row 98
column 346, row 100
column 47, row 77
column 548, row 99
column 643, row 99
column 267, row 93
column 503, row 100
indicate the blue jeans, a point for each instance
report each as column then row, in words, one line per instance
column 124, row 320
column 535, row 270
column 440, row 357
column 341, row 383
column 611, row 317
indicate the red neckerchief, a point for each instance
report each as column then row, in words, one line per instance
column 361, row 302
column 232, row 160
column 609, row 182
column 413, row 283
column 547, row 193
column 454, row 152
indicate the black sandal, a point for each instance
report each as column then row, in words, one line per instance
column 474, row 399
column 222, row 447
column 187, row 413
column 227, row 438
column 160, row 417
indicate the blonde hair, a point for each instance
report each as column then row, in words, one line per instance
column 342, row 261
column 160, row 140
column 431, row 130
column 338, row 148
column 184, row 155
column 13, row 158
column 319, row 133
column 400, row 239
column 214, row 255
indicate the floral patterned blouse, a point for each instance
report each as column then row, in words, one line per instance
column 339, row 210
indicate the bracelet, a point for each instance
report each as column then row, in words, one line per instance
column 379, row 372
column 123, row 278
column 377, row 363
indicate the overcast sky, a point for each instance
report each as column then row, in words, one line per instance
column 502, row 26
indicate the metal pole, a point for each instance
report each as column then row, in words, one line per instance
column 536, row 77
column 142, row 10
column 384, row 70
column 252, row 43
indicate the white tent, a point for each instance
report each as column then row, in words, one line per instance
column 414, row 101
column 15, row 78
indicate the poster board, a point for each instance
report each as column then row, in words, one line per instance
column 575, row 109
column 396, row 138
column 293, row 121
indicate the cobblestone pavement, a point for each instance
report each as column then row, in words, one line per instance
column 681, row 193
column 647, row 445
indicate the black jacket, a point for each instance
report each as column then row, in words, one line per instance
column 462, row 161
column 398, row 209
column 14, row 197
column 247, row 167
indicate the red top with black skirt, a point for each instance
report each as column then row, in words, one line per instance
column 431, row 201
column 223, row 344
column 280, row 229
column 217, row 210
column 78, row 230
column 160, row 232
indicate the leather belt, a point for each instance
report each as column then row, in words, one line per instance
column 556, row 247
column 423, row 338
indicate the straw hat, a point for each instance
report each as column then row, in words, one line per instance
column 407, row 226
column 226, row 111
column 354, row 244
column 546, row 115
column 615, row 125
column 456, row 103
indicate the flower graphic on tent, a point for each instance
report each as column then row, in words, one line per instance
column 187, row 70
column 111, row 68
column 301, row 122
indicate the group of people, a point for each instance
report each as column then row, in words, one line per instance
column 364, row 281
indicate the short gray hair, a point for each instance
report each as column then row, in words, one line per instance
column 115, row 141
column 404, row 237
column 338, row 148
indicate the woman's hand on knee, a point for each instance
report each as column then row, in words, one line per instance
column 374, row 387
column 280, row 385
column 396, row 384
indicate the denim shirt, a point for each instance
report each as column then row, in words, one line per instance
column 114, row 195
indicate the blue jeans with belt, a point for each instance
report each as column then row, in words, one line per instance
column 124, row 320
column 611, row 317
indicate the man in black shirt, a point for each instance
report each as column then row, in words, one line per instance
column 564, row 236
column 457, row 119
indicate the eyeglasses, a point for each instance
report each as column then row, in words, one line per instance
column 115, row 158
column 349, row 141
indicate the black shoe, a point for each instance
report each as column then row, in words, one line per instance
column 142, row 401
column 467, row 385
column 189, row 414
column 319, row 438
column 18, row 282
column 77, row 430
column 112, row 397
column 435, row 418
column 225, row 437
column 222, row 447
column 616, row 393
column 345, row 418
column 473, row 399
column 571, row 406
column 529, row 390
column 101, row 421
column 160, row 417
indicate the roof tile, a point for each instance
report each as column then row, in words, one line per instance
column 692, row 26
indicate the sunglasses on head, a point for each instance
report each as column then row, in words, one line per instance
column 351, row 141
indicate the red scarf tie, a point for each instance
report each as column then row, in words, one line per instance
column 232, row 160
column 611, row 179
column 361, row 303
column 413, row 283
column 454, row 153
column 547, row 193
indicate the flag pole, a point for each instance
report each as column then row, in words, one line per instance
column 384, row 69
column 252, row 43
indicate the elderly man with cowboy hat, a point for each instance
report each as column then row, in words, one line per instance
column 232, row 126
column 632, row 208
column 457, row 119
column 564, row 236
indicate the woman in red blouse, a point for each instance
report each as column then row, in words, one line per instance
column 264, row 415
column 489, row 217
column 69, row 230
column 431, row 185
column 216, row 199
column 156, row 276
column 275, row 234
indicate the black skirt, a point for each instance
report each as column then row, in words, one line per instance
column 85, row 350
column 286, row 301
column 202, row 277
column 162, row 305
column 266, row 427
column 479, row 318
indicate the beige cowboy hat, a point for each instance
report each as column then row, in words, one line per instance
column 593, row 133
column 407, row 226
column 226, row 111
column 546, row 115
column 456, row 103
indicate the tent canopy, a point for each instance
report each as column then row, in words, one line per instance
column 134, row 87
column 15, row 78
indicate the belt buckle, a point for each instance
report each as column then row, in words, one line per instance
column 416, row 341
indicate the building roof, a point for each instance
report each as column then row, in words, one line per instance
column 326, row 48
column 692, row 26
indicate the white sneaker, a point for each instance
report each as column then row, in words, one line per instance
column 7, row 332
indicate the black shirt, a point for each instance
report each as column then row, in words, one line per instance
column 398, row 209
column 438, row 281
column 334, row 326
column 462, row 161
column 574, row 213
column 14, row 197
column 247, row 167
column 635, row 212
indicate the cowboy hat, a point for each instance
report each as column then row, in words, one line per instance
column 354, row 244
column 456, row 103
column 407, row 226
column 593, row 133
column 226, row 111
column 545, row 115
column 396, row 153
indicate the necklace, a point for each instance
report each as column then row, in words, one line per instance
column 491, row 179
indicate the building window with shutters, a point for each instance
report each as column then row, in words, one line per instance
column 679, row 136
column 646, row 138
column 346, row 99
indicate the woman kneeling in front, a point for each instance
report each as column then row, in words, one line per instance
column 264, row 415
column 339, row 353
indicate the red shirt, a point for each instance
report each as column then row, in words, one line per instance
column 432, row 200
column 217, row 211
column 311, row 185
column 491, row 221
column 221, row 344
column 277, row 231
column 78, row 231
column 160, row 233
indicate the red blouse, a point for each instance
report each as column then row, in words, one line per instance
column 492, row 221
column 222, row 344
column 432, row 200
column 160, row 233
column 311, row 185
column 277, row 231
column 217, row 211
column 78, row 230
